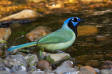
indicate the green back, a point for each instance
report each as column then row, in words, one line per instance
column 59, row 36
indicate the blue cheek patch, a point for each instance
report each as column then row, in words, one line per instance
column 74, row 23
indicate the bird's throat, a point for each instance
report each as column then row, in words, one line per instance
column 74, row 29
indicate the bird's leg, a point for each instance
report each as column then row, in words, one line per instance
column 40, row 53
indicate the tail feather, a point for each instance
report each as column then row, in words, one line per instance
column 22, row 46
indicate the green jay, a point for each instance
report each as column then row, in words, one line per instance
column 58, row 40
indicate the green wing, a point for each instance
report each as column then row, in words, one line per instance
column 58, row 36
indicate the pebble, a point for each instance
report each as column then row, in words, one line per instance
column 87, row 70
column 21, row 72
column 107, row 65
column 37, row 33
column 24, row 14
column 18, row 68
column 44, row 65
column 59, row 56
column 31, row 60
column 65, row 67
column 4, row 34
column 15, row 60
column 38, row 72
column 4, row 72
column 106, row 71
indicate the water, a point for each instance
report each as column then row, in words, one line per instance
column 94, row 46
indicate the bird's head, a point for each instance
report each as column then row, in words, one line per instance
column 72, row 23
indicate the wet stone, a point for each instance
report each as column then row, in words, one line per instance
column 59, row 56
column 15, row 60
column 44, row 65
column 107, row 65
column 65, row 67
column 20, row 72
column 106, row 71
column 38, row 72
column 37, row 33
column 31, row 60
column 4, row 72
column 4, row 34
column 97, row 70
column 87, row 70
column 75, row 72
column 3, row 67
column 24, row 14
column 32, row 68
column 18, row 68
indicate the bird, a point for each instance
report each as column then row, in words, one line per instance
column 60, row 39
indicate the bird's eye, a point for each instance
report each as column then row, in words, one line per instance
column 74, row 20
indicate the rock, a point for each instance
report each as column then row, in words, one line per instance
column 75, row 72
column 87, row 70
column 87, row 30
column 4, row 72
column 65, row 68
column 24, row 14
column 107, row 65
column 16, row 63
column 49, row 72
column 18, row 68
column 44, row 65
column 97, row 70
column 37, row 72
column 4, row 34
column 15, row 60
column 37, row 33
column 2, row 66
column 106, row 71
column 20, row 72
column 31, row 60
column 58, row 56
